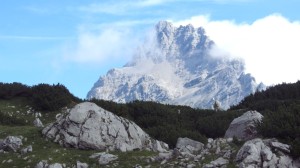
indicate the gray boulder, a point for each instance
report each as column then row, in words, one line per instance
column 38, row 123
column 104, row 158
column 11, row 143
column 220, row 162
column 55, row 165
column 88, row 126
column 42, row 164
column 81, row 165
column 258, row 152
column 189, row 145
column 243, row 127
column 280, row 146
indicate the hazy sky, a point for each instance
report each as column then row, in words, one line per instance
column 74, row 42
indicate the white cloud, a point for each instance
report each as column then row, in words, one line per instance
column 120, row 8
column 100, row 47
column 131, row 7
column 41, row 38
column 269, row 46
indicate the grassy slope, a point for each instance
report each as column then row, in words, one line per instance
column 46, row 150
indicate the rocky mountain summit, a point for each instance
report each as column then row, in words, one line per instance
column 88, row 126
column 177, row 65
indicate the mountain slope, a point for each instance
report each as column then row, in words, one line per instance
column 176, row 66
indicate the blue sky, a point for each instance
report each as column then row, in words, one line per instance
column 75, row 42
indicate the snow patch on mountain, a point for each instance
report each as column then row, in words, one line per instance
column 177, row 65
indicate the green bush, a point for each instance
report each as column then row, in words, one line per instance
column 11, row 90
column 51, row 98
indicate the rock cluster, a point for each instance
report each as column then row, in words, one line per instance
column 88, row 126
column 11, row 143
column 243, row 127
column 190, row 153
column 44, row 164
column 265, row 153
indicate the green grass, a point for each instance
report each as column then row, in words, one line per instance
column 19, row 109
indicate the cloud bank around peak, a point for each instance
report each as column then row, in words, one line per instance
column 269, row 45
column 101, row 45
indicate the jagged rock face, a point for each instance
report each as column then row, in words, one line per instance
column 243, row 127
column 88, row 126
column 177, row 67
column 261, row 153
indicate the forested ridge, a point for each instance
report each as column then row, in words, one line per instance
column 43, row 97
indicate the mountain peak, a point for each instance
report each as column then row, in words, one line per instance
column 177, row 68
column 164, row 26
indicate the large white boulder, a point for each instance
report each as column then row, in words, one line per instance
column 88, row 126
column 243, row 127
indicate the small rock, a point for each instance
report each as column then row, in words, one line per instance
column 190, row 166
column 229, row 140
column 55, row 165
column 218, row 150
column 220, row 162
column 26, row 150
column 104, row 158
column 283, row 147
column 81, row 165
column 227, row 154
column 164, row 156
column 42, row 164
column 209, row 166
column 38, row 123
column 137, row 166
column 163, row 162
